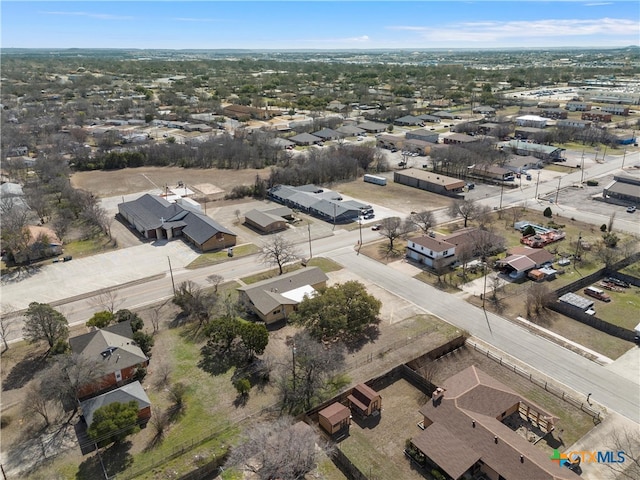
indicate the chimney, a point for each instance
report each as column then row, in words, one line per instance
column 495, row 439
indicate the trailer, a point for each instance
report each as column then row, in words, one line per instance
column 375, row 179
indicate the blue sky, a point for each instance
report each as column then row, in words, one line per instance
column 319, row 24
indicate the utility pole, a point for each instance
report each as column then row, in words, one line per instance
column 484, row 290
column 537, row 183
column 501, row 190
column 309, row 230
column 623, row 158
column 360, row 226
column 582, row 168
column 558, row 189
column 173, row 283
column 293, row 356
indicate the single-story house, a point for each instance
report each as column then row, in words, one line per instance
column 432, row 251
column 365, row 400
column 429, row 181
column 527, row 132
column 239, row 111
column 468, row 431
column 491, row 172
column 385, row 140
column 373, row 127
column 531, row 121
column 429, row 118
column 623, row 188
column 522, row 163
column 335, row 418
column 156, row 218
column 42, row 243
column 445, row 115
column 125, row 394
column 351, row 130
column 264, row 222
column 328, row 134
column 548, row 153
column 422, row 134
column 459, row 138
column 276, row 298
column 520, row 260
column 409, row 120
column 305, row 139
column 484, row 110
column 114, row 352
column 283, row 143
column 324, row 203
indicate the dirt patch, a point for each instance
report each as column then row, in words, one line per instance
column 132, row 180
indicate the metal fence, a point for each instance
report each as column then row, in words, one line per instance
column 549, row 387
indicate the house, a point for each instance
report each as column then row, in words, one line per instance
column 156, row 218
column 276, row 298
column 385, row 140
column 459, row 139
column 491, row 172
column 429, row 118
column 578, row 106
column 372, row 127
column 484, row 110
column 264, row 222
column 520, row 260
column 42, row 243
column 531, row 121
column 429, row 181
column 554, row 113
column 445, row 115
column 522, row 163
column 596, row 116
column 422, row 134
column 469, row 430
column 548, row 153
column 409, row 120
column 114, row 353
column 475, row 240
column 305, row 139
column 327, row 134
column 314, row 200
column 240, row 111
column 433, row 252
column 125, row 394
column 527, row 132
column 365, row 400
column 12, row 196
column 282, row 143
column 624, row 189
column 351, row 130
column 334, row 419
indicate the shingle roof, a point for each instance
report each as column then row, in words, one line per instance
column 148, row 210
column 465, row 428
column 263, row 219
column 201, row 228
column 434, row 244
column 328, row 133
column 267, row 294
column 350, row 130
column 305, row 138
column 127, row 393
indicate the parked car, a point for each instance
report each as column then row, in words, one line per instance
column 597, row 293
column 631, row 209
column 369, row 216
column 68, row 258
column 376, row 227
column 471, row 186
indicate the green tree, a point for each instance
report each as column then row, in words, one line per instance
column 242, row 386
column 547, row 212
column 144, row 341
column 113, row 422
column 222, row 331
column 101, row 319
column 255, row 338
column 343, row 311
column 42, row 322
column 136, row 322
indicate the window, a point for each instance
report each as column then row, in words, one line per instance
column 275, row 312
column 445, row 252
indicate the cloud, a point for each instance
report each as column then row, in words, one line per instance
column 600, row 4
column 494, row 31
column 99, row 16
column 361, row 39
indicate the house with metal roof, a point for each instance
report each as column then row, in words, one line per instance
column 429, row 181
column 624, row 189
column 276, row 298
column 469, row 431
column 156, row 218
column 115, row 355
column 548, row 153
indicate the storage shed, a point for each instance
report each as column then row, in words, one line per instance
column 334, row 418
column 365, row 400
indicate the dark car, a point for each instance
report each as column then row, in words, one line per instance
column 376, row 227
column 67, row 258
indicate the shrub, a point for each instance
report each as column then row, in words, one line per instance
column 547, row 212
column 603, row 227
column 528, row 231
column 592, row 183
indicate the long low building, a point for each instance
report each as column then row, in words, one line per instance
column 318, row 201
column 623, row 188
column 429, row 181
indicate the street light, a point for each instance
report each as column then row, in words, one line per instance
column 537, row 183
column 360, row 227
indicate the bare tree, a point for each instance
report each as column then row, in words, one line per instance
column 277, row 449
column 107, row 300
column 538, row 298
column 195, row 303
column 483, row 216
column 215, row 280
column 612, row 217
column 607, row 255
column 394, row 228
column 464, row 252
column 625, row 442
column 424, row 220
column 278, row 251
column 467, row 209
column 163, row 374
column 6, row 325
column 35, row 403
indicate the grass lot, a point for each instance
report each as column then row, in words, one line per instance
column 324, row 264
column 212, row 258
column 633, row 269
column 623, row 308
column 559, row 168
column 82, row 248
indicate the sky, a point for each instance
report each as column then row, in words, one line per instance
column 319, row 25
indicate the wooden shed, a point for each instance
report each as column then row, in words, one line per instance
column 365, row 400
column 334, row 418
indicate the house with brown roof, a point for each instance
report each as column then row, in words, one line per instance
column 276, row 298
column 475, row 240
column 429, row 181
column 520, row 260
column 432, row 251
column 114, row 353
column 335, row 418
column 466, row 432
column 364, row 400
column 42, row 242
column 264, row 222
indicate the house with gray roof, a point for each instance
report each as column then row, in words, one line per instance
column 429, row 118
column 350, row 130
column 115, row 355
column 264, row 222
column 409, row 120
column 328, row 134
column 548, row 153
column 372, row 127
column 305, row 139
column 422, row 134
column 156, row 218
column 274, row 299
column 132, row 392
column 322, row 203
